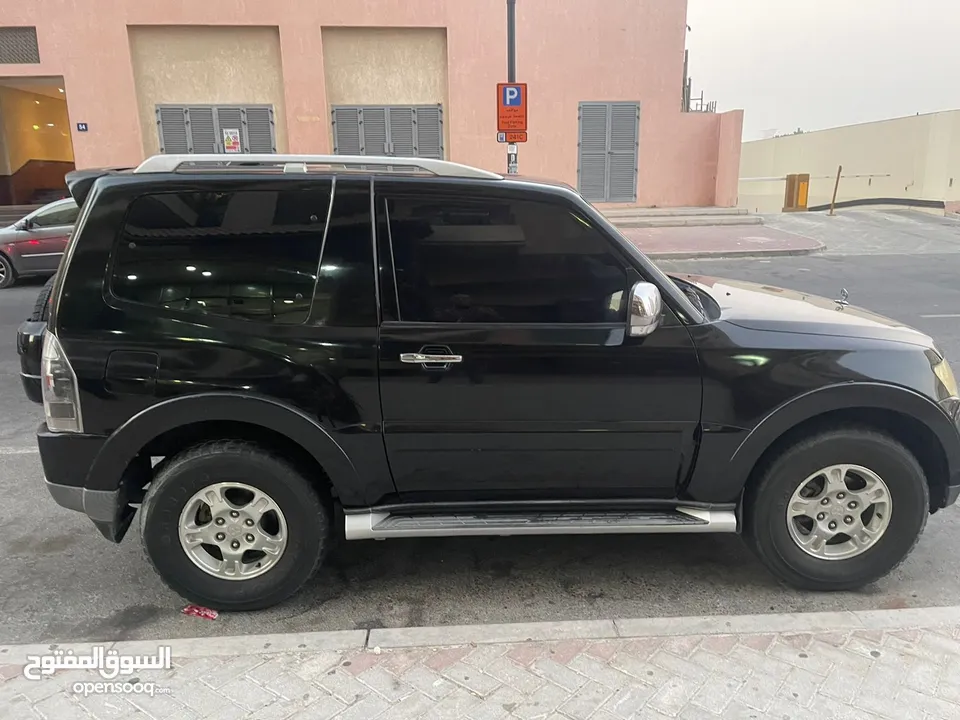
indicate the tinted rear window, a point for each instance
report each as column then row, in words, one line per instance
column 250, row 255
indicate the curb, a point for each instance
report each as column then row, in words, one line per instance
column 727, row 255
column 383, row 639
column 704, row 221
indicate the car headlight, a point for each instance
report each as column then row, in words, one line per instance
column 945, row 375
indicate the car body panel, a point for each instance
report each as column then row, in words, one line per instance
column 764, row 307
column 539, row 412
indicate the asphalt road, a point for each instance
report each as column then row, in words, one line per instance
column 60, row 581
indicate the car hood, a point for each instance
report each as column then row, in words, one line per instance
column 765, row 307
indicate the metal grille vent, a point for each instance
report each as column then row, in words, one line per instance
column 18, row 45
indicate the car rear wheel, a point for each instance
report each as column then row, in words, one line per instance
column 230, row 526
column 41, row 308
column 838, row 510
column 8, row 276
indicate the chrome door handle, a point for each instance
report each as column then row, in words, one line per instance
column 421, row 359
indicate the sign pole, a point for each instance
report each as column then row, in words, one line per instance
column 512, row 161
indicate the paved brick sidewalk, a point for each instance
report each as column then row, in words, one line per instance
column 678, row 243
column 874, row 665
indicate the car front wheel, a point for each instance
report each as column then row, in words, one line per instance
column 838, row 510
column 231, row 526
column 8, row 276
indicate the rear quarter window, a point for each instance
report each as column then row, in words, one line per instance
column 248, row 255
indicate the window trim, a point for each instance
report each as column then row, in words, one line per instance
column 412, row 193
column 214, row 320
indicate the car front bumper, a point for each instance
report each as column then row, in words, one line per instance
column 951, row 406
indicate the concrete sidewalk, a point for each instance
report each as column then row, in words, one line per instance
column 678, row 243
column 897, row 664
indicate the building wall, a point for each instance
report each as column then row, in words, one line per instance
column 386, row 66
column 916, row 157
column 728, row 159
column 115, row 57
column 205, row 65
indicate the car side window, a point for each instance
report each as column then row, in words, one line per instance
column 501, row 261
column 250, row 255
column 55, row 217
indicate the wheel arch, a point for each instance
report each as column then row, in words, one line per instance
column 161, row 428
column 904, row 414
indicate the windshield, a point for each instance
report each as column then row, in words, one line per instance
column 704, row 301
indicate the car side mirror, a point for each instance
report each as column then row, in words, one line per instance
column 646, row 309
column 24, row 224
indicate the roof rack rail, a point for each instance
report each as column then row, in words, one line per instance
column 299, row 163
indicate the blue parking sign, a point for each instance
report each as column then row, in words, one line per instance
column 512, row 96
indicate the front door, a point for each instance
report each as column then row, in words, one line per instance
column 505, row 371
column 49, row 231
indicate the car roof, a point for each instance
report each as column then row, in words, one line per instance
column 535, row 180
column 61, row 201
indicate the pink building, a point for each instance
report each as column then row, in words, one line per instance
column 107, row 82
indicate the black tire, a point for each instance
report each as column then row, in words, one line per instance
column 765, row 509
column 41, row 309
column 308, row 524
column 8, row 276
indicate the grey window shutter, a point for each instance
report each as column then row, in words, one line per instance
column 373, row 130
column 261, row 135
column 203, row 132
column 172, row 128
column 593, row 158
column 624, row 146
column 230, row 118
column 346, row 131
column 429, row 138
column 402, row 142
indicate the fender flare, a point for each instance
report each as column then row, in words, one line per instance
column 129, row 439
column 844, row 396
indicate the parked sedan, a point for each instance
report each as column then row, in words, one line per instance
column 35, row 244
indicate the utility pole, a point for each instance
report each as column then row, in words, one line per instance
column 836, row 188
column 512, row 164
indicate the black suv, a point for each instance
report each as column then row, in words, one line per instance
column 265, row 353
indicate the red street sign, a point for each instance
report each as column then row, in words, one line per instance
column 511, row 137
column 512, row 108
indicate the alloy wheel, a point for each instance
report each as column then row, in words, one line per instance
column 839, row 512
column 233, row 531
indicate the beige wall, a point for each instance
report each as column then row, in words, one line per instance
column 914, row 157
column 205, row 65
column 19, row 113
column 951, row 158
column 386, row 66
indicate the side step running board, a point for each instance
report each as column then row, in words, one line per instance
column 379, row 525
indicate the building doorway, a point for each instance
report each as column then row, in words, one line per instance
column 36, row 148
